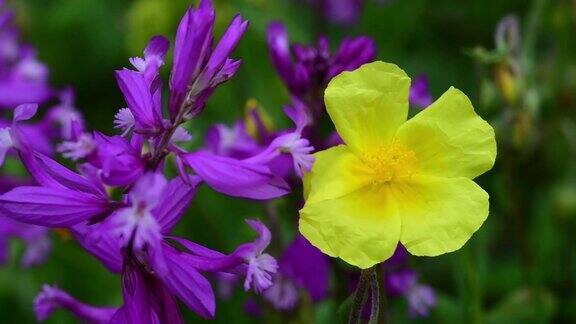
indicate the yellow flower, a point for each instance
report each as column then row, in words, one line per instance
column 396, row 180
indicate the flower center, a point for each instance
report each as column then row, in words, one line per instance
column 391, row 162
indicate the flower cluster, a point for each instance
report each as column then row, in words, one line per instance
column 119, row 202
column 24, row 79
column 306, row 70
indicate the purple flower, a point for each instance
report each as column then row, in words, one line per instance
column 283, row 294
column 403, row 281
column 248, row 259
column 124, row 120
column 198, row 69
column 342, row 12
column 135, row 241
column 149, row 294
column 419, row 93
column 79, row 148
column 306, row 70
column 232, row 141
column 66, row 116
column 154, row 55
column 135, row 225
column 292, row 143
column 141, row 101
column 19, row 136
column 261, row 265
column 302, row 266
column 38, row 244
column 23, row 79
column 420, row 297
column 120, row 161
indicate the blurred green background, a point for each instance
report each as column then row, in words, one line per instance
column 519, row 268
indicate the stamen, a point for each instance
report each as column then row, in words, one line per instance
column 391, row 162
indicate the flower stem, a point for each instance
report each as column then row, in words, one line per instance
column 160, row 150
column 379, row 301
column 360, row 297
column 372, row 280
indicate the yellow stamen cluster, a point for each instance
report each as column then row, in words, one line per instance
column 391, row 162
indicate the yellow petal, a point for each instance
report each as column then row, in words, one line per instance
column 369, row 104
column 336, row 172
column 450, row 139
column 439, row 214
column 362, row 228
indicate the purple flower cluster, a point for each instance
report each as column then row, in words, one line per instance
column 306, row 70
column 24, row 79
column 117, row 200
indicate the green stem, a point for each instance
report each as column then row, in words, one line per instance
column 372, row 280
column 360, row 297
column 379, row 301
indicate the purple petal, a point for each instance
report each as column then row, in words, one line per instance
column 247, row 259
column 224, row 48
column 17, row 92
column 189, row 285
column 174, row 202
column 50, row 173
column 34, row 137
column 353, row 53
column 146, row 298
column 120, row 162
column 344, row 12
column 283, row 294
column 307, row 266
column 191, row 50
column 399, row 259
column 52, row 298
column 232, row 141
column 38, row 248
column 137, row 306
column 140, row 101
column 419, row 93
column 420, row 299
column 227, row 71
column 297, row 113
column 279, row 49
column 51, row 207
column 25, row 112
column 264, row 235
column 153, row 59
column 157, row 48
column 205, row 259
column 101, row 243
column 148, row 189
column 235, row 177
column 400, row 282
